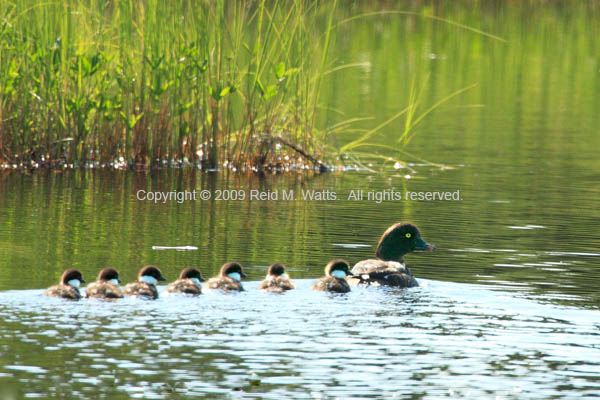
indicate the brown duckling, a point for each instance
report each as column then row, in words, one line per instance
column 145, row 287
column 188, row 282
column 228, row 279
column 106, row 285
column 389, row 268
column 276, row 280
column 334, row 280
column 68, row 288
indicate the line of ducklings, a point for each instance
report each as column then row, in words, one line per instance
column 388, row 269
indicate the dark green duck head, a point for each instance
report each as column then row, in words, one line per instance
column 398, row 240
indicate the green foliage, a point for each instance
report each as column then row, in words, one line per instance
column 205, row 81
column 157, row 80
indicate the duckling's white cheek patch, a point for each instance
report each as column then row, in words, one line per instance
column 148, row 279
column 235, row 275
column 196, row 281
column 74, row 283
column 285, row 276
column 338, row 274
column 114, row 281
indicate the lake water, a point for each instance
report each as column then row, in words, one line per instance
column 444, row 339
column 508, row 305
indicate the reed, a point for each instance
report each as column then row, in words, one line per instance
column 154, row 83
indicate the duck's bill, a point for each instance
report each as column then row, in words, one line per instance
column 201, row 279
column 162, row 278
column 422, row 245
column 243, row 275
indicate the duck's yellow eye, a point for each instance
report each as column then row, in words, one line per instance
column 408, row 235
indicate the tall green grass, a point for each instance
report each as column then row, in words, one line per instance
column 149, row 83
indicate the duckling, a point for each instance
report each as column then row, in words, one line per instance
column 68, row 288
column 389, row 268
column 276, row 280
column 334, row 280
column 188, row 282
column 228, row 279
column 145, row 287
column 106, row 285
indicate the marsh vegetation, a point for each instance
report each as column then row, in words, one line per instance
column 206, row 83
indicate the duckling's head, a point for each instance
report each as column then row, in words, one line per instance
column 276, row 270
column 191, row 273
column 109, row 274
column 398, row 240
column 72, row 277
column 150, row 274
column 232, row 270
column 338, row 268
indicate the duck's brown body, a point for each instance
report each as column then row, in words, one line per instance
column 225, row 284
column 184, row 286
column 63, row 291
column 103, row 290
column 141, row 289
column 331, row 284
column 278, row 284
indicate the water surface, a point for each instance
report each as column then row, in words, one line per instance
column 443, row 339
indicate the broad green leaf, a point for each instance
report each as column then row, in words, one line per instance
column 280, row 70
column 225, row 91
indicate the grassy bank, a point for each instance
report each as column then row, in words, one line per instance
column 156, row 82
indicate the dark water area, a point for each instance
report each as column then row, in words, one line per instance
column 500, row 233
column 508, row 305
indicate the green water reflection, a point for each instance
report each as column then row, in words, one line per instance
column 500, row 232
column 525, row 142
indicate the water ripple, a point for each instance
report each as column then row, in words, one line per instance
column 442, row 339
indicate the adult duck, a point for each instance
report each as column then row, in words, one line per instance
column 389, row 268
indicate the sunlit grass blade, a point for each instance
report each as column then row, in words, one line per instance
column 432, row 17
column 405, row 138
